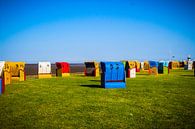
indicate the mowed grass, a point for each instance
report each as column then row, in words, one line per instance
column 163, row 101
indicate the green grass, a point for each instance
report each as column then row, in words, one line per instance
column 163, row 101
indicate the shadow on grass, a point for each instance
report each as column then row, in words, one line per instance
column 92, row 86
column 142, row 74
column 80, row 75
column 95, row 80
column 187, row 75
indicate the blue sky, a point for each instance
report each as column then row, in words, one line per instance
column 81, row 30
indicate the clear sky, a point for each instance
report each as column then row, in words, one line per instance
column 81, row 30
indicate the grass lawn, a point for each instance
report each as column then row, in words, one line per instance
column 163, row 101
